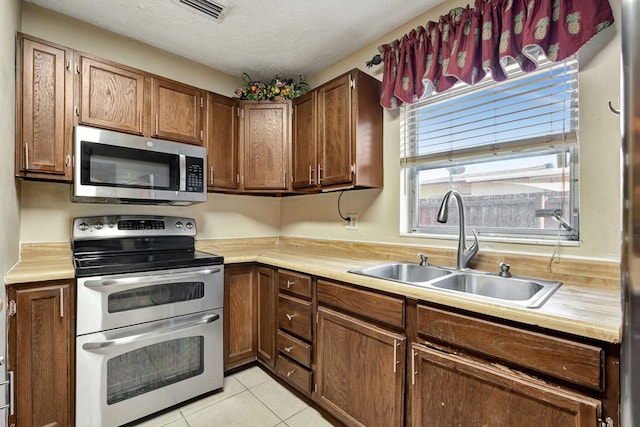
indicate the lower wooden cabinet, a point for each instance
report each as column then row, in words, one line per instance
column 360, row 370
column 240, row 316
column 266, row 315
column 452, row 390
column 347, row 348
column 294, row 339
column 41, row 352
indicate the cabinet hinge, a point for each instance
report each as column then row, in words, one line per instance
column 352, row 83
column 201, row 102
column 12, row 308
column 607, row 422
column 201, row 135
column 353, row 168
column 315, row 388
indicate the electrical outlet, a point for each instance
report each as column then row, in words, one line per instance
column 352, row 224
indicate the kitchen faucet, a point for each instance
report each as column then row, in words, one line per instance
column 464, row 254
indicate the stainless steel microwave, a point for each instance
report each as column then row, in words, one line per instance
column 114, row 167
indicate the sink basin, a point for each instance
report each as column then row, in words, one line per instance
column 513, row 291
column 518, row 291
column 404, row 272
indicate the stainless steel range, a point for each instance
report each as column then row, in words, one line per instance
column 149, row 317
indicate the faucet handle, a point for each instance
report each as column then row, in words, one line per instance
column 424, row 260
column 504, row 270
column 473, row 249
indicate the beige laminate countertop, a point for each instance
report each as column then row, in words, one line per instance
column 585, row 310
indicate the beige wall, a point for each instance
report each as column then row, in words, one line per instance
column 600, row 201
column 9, row 187
column 316, row 216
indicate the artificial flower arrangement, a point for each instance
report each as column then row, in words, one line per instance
column 277, row 89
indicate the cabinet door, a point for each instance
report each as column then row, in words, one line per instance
column 222, row 142
column 267, row 315
column 43, row 353
column 265, row 145
column 111, row 96
column 176, row 111
column 360, row 370
column 44, row 101
column 240, row 316
column 452, row 390
column 335, row 132
column 304, row 147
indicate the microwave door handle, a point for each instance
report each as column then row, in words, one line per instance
column 136, row 340
column 183, row 172
column 133, row 282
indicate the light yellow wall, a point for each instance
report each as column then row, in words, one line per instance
column 600, row 201
column 9, row 188
column 46, row 211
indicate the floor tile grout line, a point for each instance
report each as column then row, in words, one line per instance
column 267, row 406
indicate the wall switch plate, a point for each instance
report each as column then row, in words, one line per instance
column 352, row 224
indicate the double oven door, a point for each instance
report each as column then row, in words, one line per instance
column 147, row 341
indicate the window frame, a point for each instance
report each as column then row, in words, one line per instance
column 410, row 188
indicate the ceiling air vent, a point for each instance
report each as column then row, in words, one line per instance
column 215, row 10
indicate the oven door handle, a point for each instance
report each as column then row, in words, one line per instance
column 154, row 335
column 148, row 280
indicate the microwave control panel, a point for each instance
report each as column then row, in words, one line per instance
column 195, row 175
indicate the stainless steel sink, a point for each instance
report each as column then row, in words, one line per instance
column 530, row 293
column 403, row 272
column 514, row 291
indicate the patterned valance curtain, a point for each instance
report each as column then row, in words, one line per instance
column 468, row 43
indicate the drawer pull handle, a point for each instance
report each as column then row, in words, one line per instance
column 288, row 349
column 290, row 372
column 290, row 316
column 290, row 284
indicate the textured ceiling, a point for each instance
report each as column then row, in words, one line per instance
column 262, row 38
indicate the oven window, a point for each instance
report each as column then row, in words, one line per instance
column 149, row 296
column 152, row 367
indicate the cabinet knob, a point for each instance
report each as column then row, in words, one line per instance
column 290, row 284
column 290, row 372
column 288, row 349
column 290, row 316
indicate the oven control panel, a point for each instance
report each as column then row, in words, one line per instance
column 132, row 225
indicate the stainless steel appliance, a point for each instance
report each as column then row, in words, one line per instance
column 149, row 317
column 630, row 357
column 113, row 167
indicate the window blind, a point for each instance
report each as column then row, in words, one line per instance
column 528, row 110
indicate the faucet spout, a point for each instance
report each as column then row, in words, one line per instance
column 464, row 253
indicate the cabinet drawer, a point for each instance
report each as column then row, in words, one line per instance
column 295, row 283
column 294, row 315
column 298, row 350
column 294, row 374
column 579, row 363
column 372, row 305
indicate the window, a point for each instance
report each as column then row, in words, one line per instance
column 510, row 148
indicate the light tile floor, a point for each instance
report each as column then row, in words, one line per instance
column 250, row 398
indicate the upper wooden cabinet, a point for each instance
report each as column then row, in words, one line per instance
column 222, row 142
column 305, row 142
column 111, row 96
column 176, row 111
column 264, row 147
column 344, row 120
column 44, row 110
